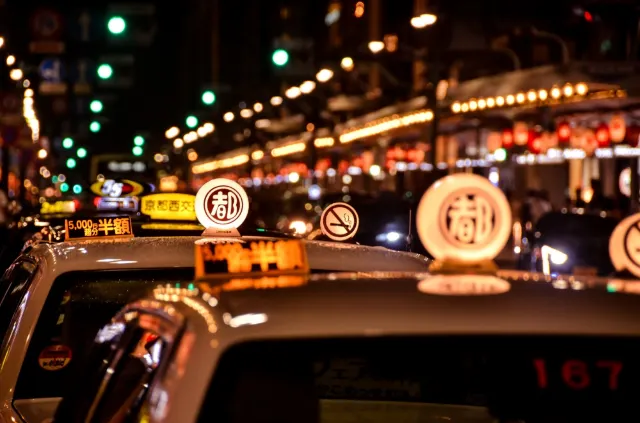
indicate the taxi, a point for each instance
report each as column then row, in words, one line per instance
column 464, row 342
column 56, row 295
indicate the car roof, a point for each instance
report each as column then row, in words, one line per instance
column 377, row 304
column 178, row 251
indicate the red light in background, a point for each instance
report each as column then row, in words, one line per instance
column 588, row 17
column 96, row 201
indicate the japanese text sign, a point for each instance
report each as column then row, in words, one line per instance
column 98, row 227
column 217, row 259
column 169, row 206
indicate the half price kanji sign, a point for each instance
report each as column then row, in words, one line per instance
column 98, row 227
column 217, row 259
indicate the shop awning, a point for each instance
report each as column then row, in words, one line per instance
column 540, row 78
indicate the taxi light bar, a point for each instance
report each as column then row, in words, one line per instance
column 98, row 228
column 260, row 258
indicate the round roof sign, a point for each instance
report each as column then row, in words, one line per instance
column 463, row 217
column 339, row 222
column 624, row 245
column 221, row 204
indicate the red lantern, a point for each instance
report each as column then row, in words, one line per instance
column 564, row 132
column 602, row 135
column 507, row 138
column 521, row 133
column 534, row 143
column 617, row 128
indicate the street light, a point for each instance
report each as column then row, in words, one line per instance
column 95, row 126
column 293, row 92
column 191, row 121
column 324, row 75
column 208, row 97
column 137, row 151
column 96, row 106
column 277, row 100
column 347, row 64
column 64, row 187
column 138, row 140
column 105, row 71
column 228, row 117
column 280, row 57
column 67, row 143
column 307, row 87
column 116, row 25
column 71, row 163
column 77, row 189
column 11, row 59
column 81, row 153
column 172, row 132
column 16, row 74
column 423, row 20
column 376, row 46
column 42, row 154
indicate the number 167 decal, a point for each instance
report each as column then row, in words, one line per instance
column 579, row 374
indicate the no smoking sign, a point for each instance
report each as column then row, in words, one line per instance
column 339, row 222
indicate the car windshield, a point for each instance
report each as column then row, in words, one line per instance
column 426, row 379
column 77, row 306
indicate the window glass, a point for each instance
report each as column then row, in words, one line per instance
column 78, row 305
column 425, row 380
column 13, row 286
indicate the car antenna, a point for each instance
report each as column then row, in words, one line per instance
column 409, row 234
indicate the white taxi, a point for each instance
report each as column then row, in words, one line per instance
column 55, row 296
column 465, row 342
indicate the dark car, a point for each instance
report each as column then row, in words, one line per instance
column 569, row 243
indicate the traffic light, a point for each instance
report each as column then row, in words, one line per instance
column 116, row 25
column 137, row 151
column 192, row 121
column 208, row 97
column 82, row 153
column 71, row 162
column 95, row 126
column 96, row 106
column 138, row 141
column 77, row 189
column 280, row 57
column 64, row 187
column 105, row 71
column 67, row 143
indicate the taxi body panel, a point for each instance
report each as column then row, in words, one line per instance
column 353, row 306
column 54, row 260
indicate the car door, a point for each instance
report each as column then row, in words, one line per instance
column 125, row 356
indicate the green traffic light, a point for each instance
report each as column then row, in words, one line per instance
column 280, row 57
column 192, row 121
column 64, row 187
column 137, row 151
column 117, row 25
column 67, row 143
column 138, row 141
column 95, row 126
column 105, row 71
column 77, row 189
column 96, row 106
column 208, row 97
column 71, row 162
column 82, row 153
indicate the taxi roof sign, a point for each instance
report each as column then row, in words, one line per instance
column 464, row 218
column 98, row 228
column 624, row 245
column 116, row 188
column 339, row 222
column 221, row 205
column 171, row 206
column 221, row 259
